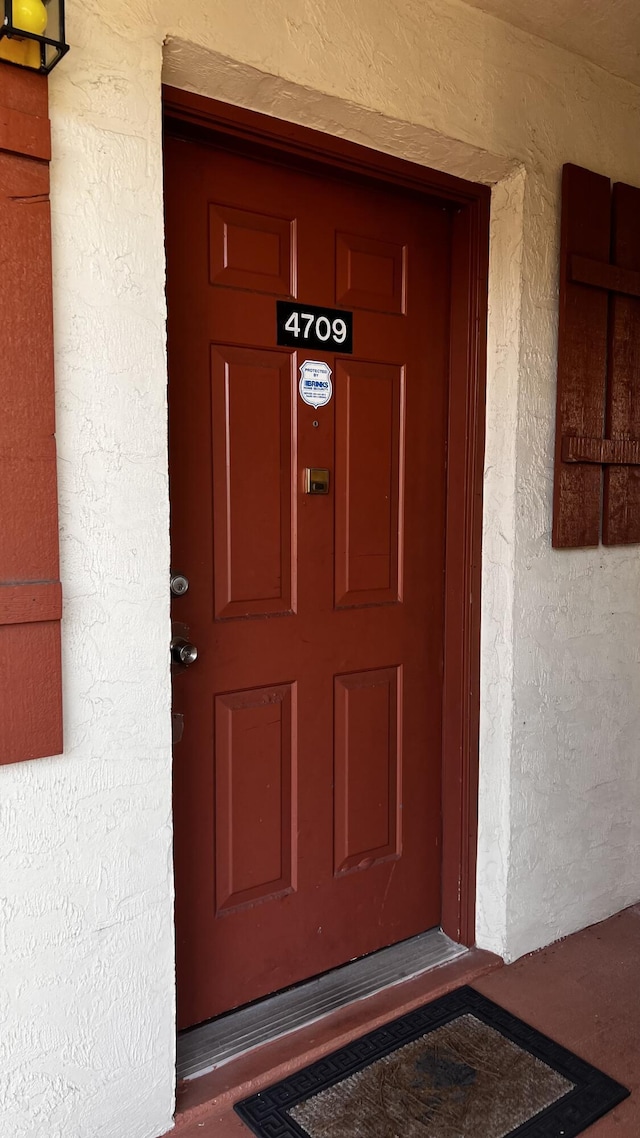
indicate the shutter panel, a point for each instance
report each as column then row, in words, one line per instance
column 30, row 595
column 582, row 356
column 598, row 410
column 621, row 512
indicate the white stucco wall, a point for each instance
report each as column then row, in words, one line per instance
column 87, row 1040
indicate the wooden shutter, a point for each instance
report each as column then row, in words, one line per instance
column 30, row 595
column 621, row 512
column 598, row 408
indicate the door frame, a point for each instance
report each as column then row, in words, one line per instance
column 196, row 117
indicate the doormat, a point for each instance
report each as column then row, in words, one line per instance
column 460, row 1067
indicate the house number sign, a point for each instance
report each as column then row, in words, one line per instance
column 305, row 326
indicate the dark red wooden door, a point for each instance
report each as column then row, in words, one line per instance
column 307, row 778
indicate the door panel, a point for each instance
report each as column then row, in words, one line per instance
column 250, row 250
column 368, row 773
column 370, row 273
column 369, row 470
column 255, row 800
column 307, row 789
column 252, row 404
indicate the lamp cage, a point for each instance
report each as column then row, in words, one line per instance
column 32, row 34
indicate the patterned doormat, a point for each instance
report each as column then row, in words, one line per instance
column 460, row 1067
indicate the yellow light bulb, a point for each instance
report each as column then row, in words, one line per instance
column 28, row 16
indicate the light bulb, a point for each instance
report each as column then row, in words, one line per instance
column 28, row 16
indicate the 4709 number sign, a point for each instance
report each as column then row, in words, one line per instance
column 306, row 326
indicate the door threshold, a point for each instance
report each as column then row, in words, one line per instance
column 204, row 1048
column 204, row 1107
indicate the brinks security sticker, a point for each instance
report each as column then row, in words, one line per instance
column 315, row 385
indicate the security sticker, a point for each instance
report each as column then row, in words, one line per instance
column 315, row 385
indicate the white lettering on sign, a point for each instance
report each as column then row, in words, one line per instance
column 316, row 388
column 318, row 327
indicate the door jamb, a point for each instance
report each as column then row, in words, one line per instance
column 206, row 120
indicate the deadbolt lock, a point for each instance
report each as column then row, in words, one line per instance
column 316, row 480
column 179, row 584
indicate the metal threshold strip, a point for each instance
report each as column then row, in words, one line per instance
column 202, row 1049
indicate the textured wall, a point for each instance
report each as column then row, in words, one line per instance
column 85, row 889
column 86, row 939
column 607, row 34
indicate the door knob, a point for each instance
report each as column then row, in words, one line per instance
column 182, row 652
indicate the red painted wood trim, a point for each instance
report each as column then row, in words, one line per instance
column 582, row 357
column 461, row 695
column 602, row 451
column 194, row 116
column 29, row 601
column 25, row 134
column 599, row 274
column 30, row 594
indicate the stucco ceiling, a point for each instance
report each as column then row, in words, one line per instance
column 605, row 31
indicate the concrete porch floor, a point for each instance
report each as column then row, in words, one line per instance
column 583, row 991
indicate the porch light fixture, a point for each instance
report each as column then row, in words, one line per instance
column 32, row 33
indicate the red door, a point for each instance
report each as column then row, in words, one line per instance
column 307, row 778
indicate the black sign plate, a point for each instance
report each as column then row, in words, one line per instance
column 305, row 326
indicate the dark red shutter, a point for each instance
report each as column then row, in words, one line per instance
column 598, row 409
column 30, row 595
column 621, row 513
column 582, row 356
